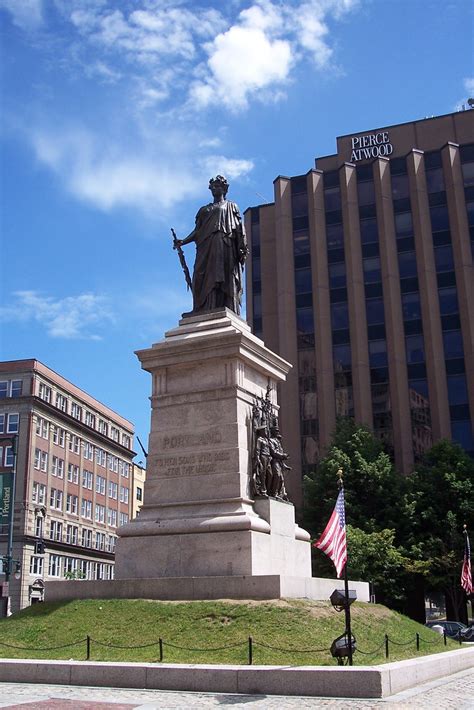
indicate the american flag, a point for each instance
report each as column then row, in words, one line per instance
column 466, row 574
column 333, row 540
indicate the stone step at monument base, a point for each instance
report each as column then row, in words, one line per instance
column 203, row 588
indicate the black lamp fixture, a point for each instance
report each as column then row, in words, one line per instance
column 339, row 601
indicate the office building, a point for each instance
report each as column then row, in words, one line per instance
column 73, row 475
column 361, row 276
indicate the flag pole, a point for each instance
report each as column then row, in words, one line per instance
column 347, row 606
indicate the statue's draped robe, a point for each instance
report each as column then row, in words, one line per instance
column 220, row 239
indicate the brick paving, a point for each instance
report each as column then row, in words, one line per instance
column 455, row 691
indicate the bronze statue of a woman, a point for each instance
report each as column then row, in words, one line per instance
column 221, row 250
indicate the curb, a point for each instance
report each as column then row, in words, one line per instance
column 360, row 682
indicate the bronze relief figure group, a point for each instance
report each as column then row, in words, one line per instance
column 268, row 457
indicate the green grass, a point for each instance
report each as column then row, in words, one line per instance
column 291, row 625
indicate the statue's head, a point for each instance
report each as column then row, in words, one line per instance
column 219, row 182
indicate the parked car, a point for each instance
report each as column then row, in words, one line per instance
column 454, row 628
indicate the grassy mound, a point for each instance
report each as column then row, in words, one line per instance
column 290, row 632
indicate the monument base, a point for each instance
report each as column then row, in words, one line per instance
column 240, row 537
column 203, row 588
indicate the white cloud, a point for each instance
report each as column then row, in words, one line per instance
column 26, row 14
column 72, row 317
column 255, row 56
column 152, row 179
column 468, row 84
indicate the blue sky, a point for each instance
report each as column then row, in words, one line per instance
column 115, row 114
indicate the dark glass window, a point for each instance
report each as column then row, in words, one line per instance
column 439, row 218
column 400, row 187
column 415, row 348
column 304, row 320
column 376, row 332
column 370, row 250
column 441, row 238
column 456, row 366
column 453, row 344
column 302, row 261
column 257, row 304
column 332, row 199
column 444, row 258
column 331, row 179
column 366, row 193
column 367, row 211
column 342, row 357
column 446, row 278
column 452, row 322
column 458, row 412
column 338, row 295
column 457, row 389
column 257, row 325
column 398, row 166
column 300, row 223
column 411, row 306
column 405, row 244
column 255, row 216
column 403, row 224
column 375, row 312
column 334, row 217
column 256, row 250
column 364, row 172
column 337, row 275
column 435, row 180
column 419, row 386
column 299, row 204
column 378, row 374
column 256, row 269
column 416, row 371
column 368, row 231
column 303, row 282
column 256, row 286
column 335, row 255
column 372, row 273
column 403, row 205
column 298, row 184
column 468, row 173
column 301, row 243
column 436, row 198
column 470, row 212
column 334, row 236
column 378, row 353
column 408, row 285
column 407, row 264
column 373, row 290
column 433, row 159
column 339, row 315
column 341, row 336
column 413, row 327
column 462, row 433
column 304, row 299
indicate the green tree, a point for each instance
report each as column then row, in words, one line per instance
column 438, row 502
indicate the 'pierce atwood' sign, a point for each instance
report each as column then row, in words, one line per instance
column 374, row 145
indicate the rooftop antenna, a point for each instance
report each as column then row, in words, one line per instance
column 142, row 447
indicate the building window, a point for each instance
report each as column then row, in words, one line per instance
column 16, row 388
column 88, row 451
column 45, row 392
column 139, row 493
column 123, row 494
column 59, row 436
column 56, row 530
column 42, row 427
column 54, row 565
column 71, row 504
column 57, row 468
column 453, row 346
column 112, row 517
column 73, row 473
column 13, row 423
column 76, row 411
column 114, row 433
column 123, row 518
column 89, row 419
column 36, row 566
column 61, row 402
column 87, row 479
column 72, row 534
column 8, row 457
column 38, row 493
column 113, row 490
column 56, row 499
column 99, row 513
column 100, row 457
column 415, row 348
column 86, row 508
column 100, row 482
column 4, row 389
column 126, row 441
column 41, row 460
column 86, row 537
column 103, row 427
